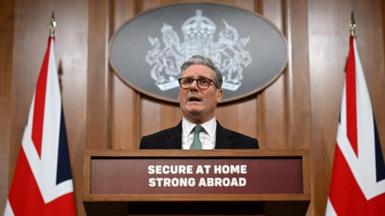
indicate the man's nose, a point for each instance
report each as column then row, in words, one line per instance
column 194, row 85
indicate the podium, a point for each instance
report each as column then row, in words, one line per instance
column 179, row 182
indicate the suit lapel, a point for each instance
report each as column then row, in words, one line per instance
column 174, row 137
column 223, row 138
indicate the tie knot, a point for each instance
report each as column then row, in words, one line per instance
column 198, row 129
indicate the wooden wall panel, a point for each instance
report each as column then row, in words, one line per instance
column 98, row 77
column 150, row 114
column 236, row 116
column 170, row 115
column 125, row 126
column 328, row 42
column 246, row 124
column 272, row 100
column 297, row 79
column 6, row 35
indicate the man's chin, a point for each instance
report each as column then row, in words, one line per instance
column 194, row 112
column 194, row 107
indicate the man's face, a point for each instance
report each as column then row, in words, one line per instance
column 198, row 105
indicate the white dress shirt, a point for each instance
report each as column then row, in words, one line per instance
column 207, row 137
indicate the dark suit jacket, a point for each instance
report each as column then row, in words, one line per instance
column 171, row 138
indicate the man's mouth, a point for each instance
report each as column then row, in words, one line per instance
column 194, row 99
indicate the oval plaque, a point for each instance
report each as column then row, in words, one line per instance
column 147, row 51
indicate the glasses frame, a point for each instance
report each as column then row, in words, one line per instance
column 211, row 81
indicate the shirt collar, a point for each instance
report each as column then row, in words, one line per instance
column 210, row 126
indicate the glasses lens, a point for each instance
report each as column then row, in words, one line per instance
column 203, row 82
column 186, row 82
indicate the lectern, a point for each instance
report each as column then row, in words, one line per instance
column 179, row 182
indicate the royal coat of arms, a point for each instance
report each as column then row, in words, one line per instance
column 168, row 53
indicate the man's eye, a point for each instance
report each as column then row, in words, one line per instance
column 204, row 81
column 187, row 80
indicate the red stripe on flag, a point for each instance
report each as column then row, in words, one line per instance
column 346, row 195
column 351, row 101
column 26, row 199
column 39, row 106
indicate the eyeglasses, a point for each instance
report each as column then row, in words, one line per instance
column 202, row 82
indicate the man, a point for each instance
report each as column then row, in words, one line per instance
column 199, row 93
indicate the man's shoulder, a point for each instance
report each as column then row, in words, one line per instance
column 240, row 140
column 161, row 139
column 160, row 134
column 239, row 135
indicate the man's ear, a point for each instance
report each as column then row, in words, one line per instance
column 219, row 95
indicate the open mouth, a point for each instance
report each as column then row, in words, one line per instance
column 194, row 99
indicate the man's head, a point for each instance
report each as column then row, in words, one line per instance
column 200, row 89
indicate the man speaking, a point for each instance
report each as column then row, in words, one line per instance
column 200, row 92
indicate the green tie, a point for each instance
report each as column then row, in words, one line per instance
column 196, row 144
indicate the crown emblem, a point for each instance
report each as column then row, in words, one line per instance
column 228, row 53
column 198, row 27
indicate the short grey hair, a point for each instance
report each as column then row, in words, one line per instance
column 202, row 60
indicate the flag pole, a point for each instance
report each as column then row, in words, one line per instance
column 52, row 25
column 352, row 25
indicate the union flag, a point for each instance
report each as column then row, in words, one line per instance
column 42, row 184
column 358, row 177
